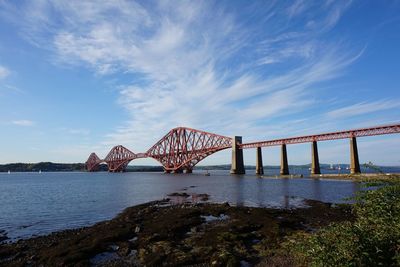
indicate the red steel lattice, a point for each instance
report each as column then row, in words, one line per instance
column 379, row 130
column 93, row 162
column 119, row 157
column 182, row 148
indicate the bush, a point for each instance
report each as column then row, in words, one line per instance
column 373, row 239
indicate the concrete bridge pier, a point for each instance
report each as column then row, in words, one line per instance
column 354, row 163
column 315, row 169
column 237, row 166
column 259, row 162
column 284, row 161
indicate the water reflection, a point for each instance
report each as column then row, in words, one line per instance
column 285, row 192
column 260, row 191
column 316, row 188
column 239, row 189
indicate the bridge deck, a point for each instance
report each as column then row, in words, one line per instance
column 379, row 130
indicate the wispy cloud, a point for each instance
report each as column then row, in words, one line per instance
column 4, row 72
column 196, row 63
column 75, row 131
column 23, row 122
column 363, row 108
column 13, row 88
column 79, row 131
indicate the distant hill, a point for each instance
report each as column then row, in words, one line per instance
column 42, row 166
column 67, row 167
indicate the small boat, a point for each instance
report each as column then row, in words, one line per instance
column 207, row 173
column 8, row 172
column 40, row 171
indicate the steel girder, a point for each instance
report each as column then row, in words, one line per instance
column 93, row 162
column 119, row 157
column 379, row 130
column 182, row 148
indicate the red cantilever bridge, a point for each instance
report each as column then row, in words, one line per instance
column 182, row 148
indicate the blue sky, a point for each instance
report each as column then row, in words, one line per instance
column 83, row 76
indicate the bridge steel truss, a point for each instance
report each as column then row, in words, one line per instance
column 119, row 157
column 93, row 162
column 180, row 149
column 379, row 130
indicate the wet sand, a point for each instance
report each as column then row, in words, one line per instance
column 174, row 232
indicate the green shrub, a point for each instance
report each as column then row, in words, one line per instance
column 373, row 239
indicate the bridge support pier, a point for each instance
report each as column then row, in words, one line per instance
column 315, row 169
column 259, row 162
column 284, row 161
column 178, row 171
column 237, row 166
column 354, row 163
column 188, row 171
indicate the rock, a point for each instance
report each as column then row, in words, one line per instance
column 155, row 237
column 203, row 197
column 133, row 240
column 177, row 194
column 3, row 236
column 174, row 235
column 114, row 247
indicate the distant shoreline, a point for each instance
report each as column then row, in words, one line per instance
column 71, row 167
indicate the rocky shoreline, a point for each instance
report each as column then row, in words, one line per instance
column 164, row 233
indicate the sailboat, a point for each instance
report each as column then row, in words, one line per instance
column 9, row 172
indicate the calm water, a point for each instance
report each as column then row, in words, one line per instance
column 37, row 204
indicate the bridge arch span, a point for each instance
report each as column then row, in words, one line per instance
column 93, row 162
column 119, row 157
column 182, row 148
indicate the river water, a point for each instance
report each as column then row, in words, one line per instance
column 39, row 203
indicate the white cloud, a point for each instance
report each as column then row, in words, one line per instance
column 363, row 108
column 298, row 7
column 4, row 72
column 81, row 131
column 194, row 63
column 23, row 122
